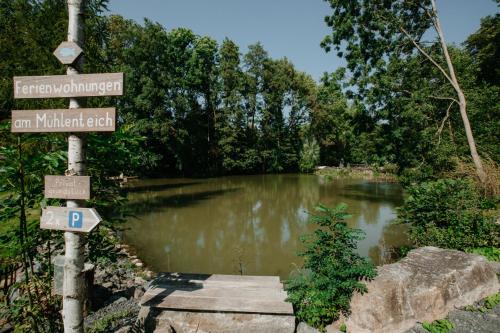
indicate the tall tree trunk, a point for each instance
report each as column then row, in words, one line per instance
column 461, row 99
column 74, row 242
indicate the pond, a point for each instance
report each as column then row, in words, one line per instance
column 251, row 224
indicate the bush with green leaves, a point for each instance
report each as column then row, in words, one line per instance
column 449, row 213
column 309, row 156
column 491, row 253
column 332, row 271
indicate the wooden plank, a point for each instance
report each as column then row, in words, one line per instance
column 81, row 85
column 218, row 304
column 220, row 277
column 256, row 293
column 64, row 120
column 67, row 187
column 161, row 283
column 69, row 219
column 68, row 52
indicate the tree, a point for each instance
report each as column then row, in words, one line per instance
column 484, row 45
column 231, row 123
column 378, row 31
column 331, row 122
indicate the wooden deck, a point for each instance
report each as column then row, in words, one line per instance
column 218, row 293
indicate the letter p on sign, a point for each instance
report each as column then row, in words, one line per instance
column 75, row 220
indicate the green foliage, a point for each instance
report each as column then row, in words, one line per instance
column 332, row 270
column 448, row 213
column 401, row 108
column 492, row 253
column 39, row 26
column 343, row 328
column 309, row 157
column 204, row 109
column 107, row 323
column 491, row 301
column 438, row 326
column 484, row 45
column 36, row 309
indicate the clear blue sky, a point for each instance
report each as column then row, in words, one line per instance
column 291, row 28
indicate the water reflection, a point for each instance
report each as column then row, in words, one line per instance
column 250, row 224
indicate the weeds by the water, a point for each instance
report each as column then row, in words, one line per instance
column 368, row 173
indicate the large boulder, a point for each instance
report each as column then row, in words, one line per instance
column 424, row 286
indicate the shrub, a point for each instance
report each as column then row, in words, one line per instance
column 309, row 157
column 449, row 213
column 332, row 270
column 491, row 253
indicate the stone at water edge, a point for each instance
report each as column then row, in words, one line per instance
column 424, row 286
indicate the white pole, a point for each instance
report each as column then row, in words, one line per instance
column 74, row 242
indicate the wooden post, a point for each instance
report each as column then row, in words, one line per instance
column 74, row 242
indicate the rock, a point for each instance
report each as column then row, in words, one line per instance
column 138, row 292
column 424, row 286
column 125, row 329
column 496, row 266
column 124, row 311
column 120, row 300
column 108, row 285
column 475, row 321
column 203, row 322
column 139, row 281
column 417, row 329
column 304, row 328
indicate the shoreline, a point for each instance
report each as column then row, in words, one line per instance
column 357, row 172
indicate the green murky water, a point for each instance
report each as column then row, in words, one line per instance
column 251, row 224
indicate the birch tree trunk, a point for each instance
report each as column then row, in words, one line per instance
column 461, row 99
column 74, row 242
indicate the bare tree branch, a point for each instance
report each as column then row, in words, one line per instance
column 440, row 129
column 427, row 55
column 445, row 98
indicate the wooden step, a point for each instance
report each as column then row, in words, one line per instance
column 218, row 293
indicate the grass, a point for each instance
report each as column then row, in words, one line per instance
column 489, row 303
column 438, row 326
column 492, row 301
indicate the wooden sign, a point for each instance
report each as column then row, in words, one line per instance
column 68, row 52
column 69, row 219
column 63, row 120
column 82, row 85
column 67, row 187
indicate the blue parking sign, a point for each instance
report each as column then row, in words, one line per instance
column 75, row 220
